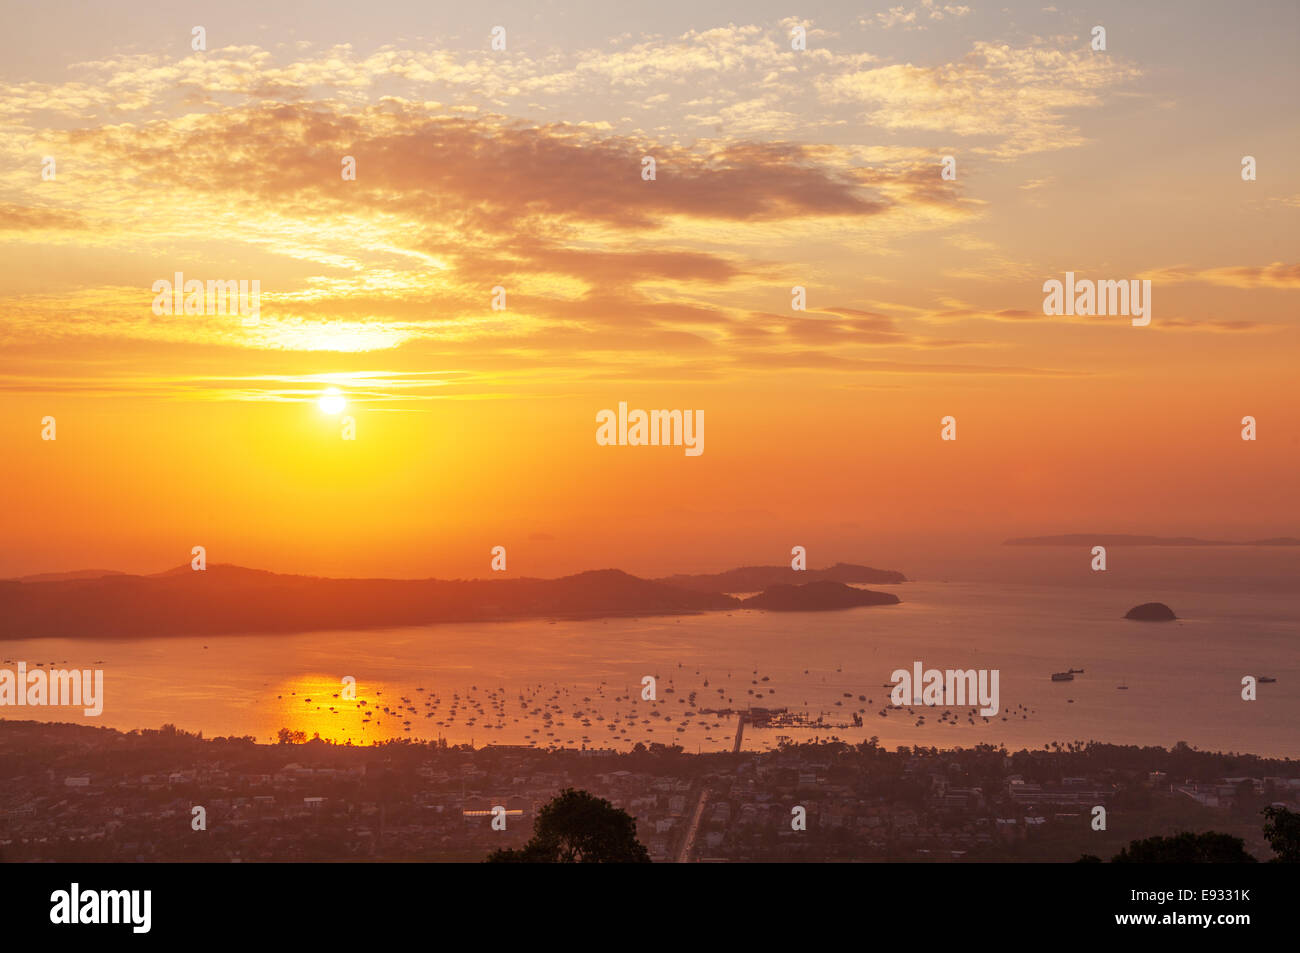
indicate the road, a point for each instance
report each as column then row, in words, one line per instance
column 740, row 733
column 688, row 842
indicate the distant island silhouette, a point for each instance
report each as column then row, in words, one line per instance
column 817, row 596
column 1151, row 612
column 756, row 578
column 228, row 600
column 1121, row 539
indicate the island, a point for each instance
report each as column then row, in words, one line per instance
column 1151, row 612
column 231, row 600
column 1122, row 539
column 227, row 600
column 817, row 597
column 757, row 578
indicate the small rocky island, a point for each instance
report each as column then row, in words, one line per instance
column 817, row 596
column 1151, row 612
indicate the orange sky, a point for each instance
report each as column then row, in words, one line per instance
column 522, row 169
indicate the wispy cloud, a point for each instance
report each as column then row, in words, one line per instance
column 1275, row 275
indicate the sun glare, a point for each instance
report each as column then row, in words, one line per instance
column 332, row 402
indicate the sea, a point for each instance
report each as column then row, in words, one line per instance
column 1026, row 612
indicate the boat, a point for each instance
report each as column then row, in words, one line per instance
column 1062, row 676
column 1076, row 671
column 1265, row 678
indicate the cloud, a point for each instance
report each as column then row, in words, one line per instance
column 444, row 208
column 25, row 218
column 1018, row 98
column 1277, row 275
column 915, row 17
column 1217, row 325
column 226, row 165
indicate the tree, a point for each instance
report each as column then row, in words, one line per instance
column 1186, row 848
column 578, row 827
column 1282, row 831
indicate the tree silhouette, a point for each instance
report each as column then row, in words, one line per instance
column 578, row 827
column 1282, row 831
column 1186, row 848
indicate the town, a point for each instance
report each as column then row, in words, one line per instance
column 77, row 793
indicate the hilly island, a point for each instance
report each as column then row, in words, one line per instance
column 228, row 600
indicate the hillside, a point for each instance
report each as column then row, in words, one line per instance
column 756, row 578
column 231, row 599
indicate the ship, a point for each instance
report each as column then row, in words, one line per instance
column 1062, row 676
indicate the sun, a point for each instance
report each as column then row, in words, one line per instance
column 332, row 402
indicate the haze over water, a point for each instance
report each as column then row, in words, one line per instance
column 1183, row 677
